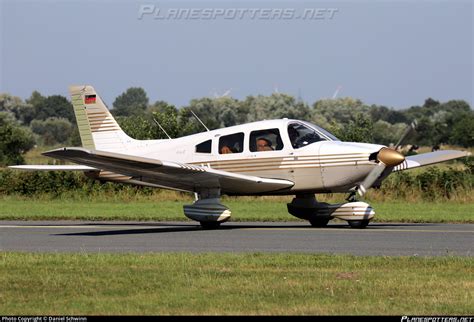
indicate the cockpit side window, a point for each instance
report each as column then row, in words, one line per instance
column 301, row 135
column 265, row 140
column 204, row 147
column 233, row 143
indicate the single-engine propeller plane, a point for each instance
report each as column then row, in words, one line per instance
column 272, row 157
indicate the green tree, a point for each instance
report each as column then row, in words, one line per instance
column 386, row 133
column 15, row 140
column 133, row 101
column 23, row 112
column 139, row 127
column 75, row 138
column 337, row 113
column 463, row 132
column 167, row 116
column 53, row 106
column 436, row 120
column 430, row 103
column 207, row 111
column 426, row 132
column 188, row 124
column 161, row 107
column 359, row 130
column 380, row 112
column 214, row 113
column 36, row 99
column 455, row 106
column 276, row 106
column 53, row 130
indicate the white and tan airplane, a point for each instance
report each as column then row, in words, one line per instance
column 273, row 157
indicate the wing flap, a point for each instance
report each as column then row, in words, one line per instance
column 173, row 175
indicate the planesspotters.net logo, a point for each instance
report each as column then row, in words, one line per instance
column 155, row 12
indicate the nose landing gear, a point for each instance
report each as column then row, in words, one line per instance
column 357, row 213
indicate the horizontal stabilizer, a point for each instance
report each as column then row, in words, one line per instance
column 419, row 160
column 44, row 167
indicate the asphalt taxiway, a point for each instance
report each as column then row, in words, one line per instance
column 383, row 239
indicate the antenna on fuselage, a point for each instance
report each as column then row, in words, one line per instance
column 157, row 123
column 197, row 118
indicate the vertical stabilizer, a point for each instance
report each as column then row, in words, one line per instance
column 97, row 127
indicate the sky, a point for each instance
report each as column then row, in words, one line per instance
column 393, row 53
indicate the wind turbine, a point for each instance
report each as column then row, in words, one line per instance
column 275, row 89
column 225, row 94
column 336, row 92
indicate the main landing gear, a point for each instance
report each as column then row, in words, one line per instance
column 210, row 213
column 357, row 213
column 207, row 209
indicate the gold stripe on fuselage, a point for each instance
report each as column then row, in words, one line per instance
column 287, row 162
column 326, row 157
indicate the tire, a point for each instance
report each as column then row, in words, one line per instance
column 210, row 224
column 319, row 222
column 360, row 224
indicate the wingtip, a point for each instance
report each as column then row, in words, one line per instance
column 47, row 153
column 63, row 149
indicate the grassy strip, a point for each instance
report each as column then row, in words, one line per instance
column 240, row 284
column 243, row 209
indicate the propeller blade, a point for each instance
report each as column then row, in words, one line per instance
column 370, row 179
column 405, row 134
column 386, row 158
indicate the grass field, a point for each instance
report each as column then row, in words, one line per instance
column 240, row 284
column 243, row 209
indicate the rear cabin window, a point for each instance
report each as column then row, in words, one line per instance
column 233, row 143
column 204, row 147
column 265, row 140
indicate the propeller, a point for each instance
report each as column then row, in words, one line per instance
column 386, row 158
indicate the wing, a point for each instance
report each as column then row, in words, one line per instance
column 419, row 160
column 43, row 167
column 172, row 175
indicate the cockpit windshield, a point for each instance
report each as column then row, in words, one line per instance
column 304, row 133
column 325, row 133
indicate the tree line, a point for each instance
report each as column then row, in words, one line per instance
column 49, row 120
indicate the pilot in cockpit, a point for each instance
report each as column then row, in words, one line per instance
column 264, row 144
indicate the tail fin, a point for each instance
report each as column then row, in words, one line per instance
column 97, row 127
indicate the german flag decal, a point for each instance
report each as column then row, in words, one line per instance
column 90, row 99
